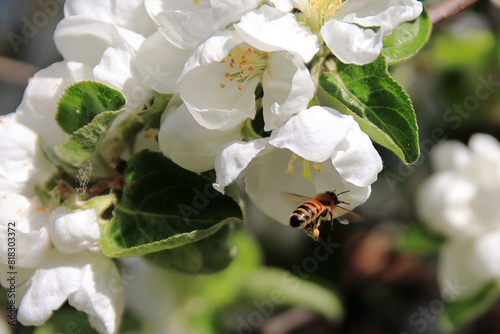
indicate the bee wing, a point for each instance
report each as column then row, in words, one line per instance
column 294, row 199
column 345, row 215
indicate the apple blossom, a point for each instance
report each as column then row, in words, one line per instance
column 185, row 24
column 231, row 69
column 340, row 155
column 461, row 201
column 187, row 143
column 353, row 30
column 58, row 259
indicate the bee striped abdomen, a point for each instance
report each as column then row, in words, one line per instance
column 305, row 213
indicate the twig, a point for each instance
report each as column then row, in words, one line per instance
column 15, row 72
column 447, row 9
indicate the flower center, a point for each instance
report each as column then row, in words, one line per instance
column 317, row 12
column 306, row 167
column 243, row 64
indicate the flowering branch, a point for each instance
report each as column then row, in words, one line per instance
column 447, row 9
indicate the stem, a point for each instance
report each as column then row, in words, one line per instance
column 446, row 10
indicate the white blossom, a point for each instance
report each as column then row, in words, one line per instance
column 219, row 81
column 461, row 201
column 22, row 166
column 333, row 151
column 186, row 23
column 58, row 259
column 188, row 144
column 354, row 29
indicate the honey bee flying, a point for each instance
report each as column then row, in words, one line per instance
column 324, row 206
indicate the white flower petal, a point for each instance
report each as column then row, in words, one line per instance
column 288, row 88
column 161, row 63
column 268, row 29
column 450, row 155
column 55, row 278
column 73, row 231
column 39, row 103
column 23, row 166
column 82, row 39
column 101, row 294
column 232, row 161
column 117, row 70
column 267, row 182
column 130, row 14
column 314, row 133
column 357, row 160
column 182, row 23
column 390, row 13
column 214, row 106
column 456, row 269
column 352, row 44
column 32, row 240
column 283, row 5
column 190, row 145
column 443, row 202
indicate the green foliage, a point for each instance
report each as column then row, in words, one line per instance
column 419, row 238
column 469, row 50
column 205, row 256
column 378, row 103
column 163, row 206
column 83, row 101
column 82, row 143
column 86, row 111
column 461, row 311
column 407, row 39
column 152, row 114
column 246, row 287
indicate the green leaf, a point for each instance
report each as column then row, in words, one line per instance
column 378, row 103
column 461, row 311
column 407, row 39
column 206, row 256
column 419, row 238
column 152, row 114
column 83, row 101
column 163, row 206
column 83, row 142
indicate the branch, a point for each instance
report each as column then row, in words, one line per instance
column 15, row 72
column 447, row 9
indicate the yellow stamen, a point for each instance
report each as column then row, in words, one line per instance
column 289, row 167
column 316, row 166
column 306, row 172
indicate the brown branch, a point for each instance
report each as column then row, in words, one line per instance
column 447, row 9
column 15, row 72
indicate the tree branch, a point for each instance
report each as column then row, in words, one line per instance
column 15, row 72
column 447, row 9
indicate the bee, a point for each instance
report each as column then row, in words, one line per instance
column 324, row 206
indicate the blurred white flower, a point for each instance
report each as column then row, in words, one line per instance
column 461, row 201
column 58, row 260
column 333, row 151
column 353, row 29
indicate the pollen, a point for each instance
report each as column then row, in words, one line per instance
column 39, row 209
column 306, row 167
column 243, row 64
column 317, row 12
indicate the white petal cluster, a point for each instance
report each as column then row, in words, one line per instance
column 57, row 258
column 225, row 63
column 461, row 201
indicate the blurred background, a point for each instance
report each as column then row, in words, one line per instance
column 383, row 270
